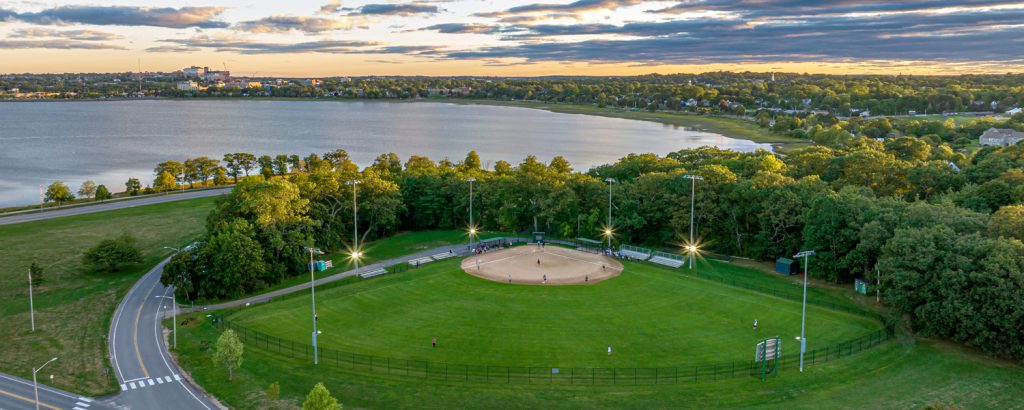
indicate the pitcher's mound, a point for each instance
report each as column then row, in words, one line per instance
column 562, row 266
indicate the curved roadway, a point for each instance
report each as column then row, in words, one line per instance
column 148, row 377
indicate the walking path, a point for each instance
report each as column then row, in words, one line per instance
column 36, row 215
column 458, row 250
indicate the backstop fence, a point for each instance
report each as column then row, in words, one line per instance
column 470, row 373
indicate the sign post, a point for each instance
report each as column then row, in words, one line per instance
column 768, row 349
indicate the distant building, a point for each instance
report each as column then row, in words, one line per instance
column 312, row 82
column 216, row 75
column 188, row 86
column 194, row 72
column 1001, row 137
column 1014, row 111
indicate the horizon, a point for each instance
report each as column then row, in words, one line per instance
column 505, row 38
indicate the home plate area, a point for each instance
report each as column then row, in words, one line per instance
column 542, row 265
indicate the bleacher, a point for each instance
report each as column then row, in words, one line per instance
column 635, row 252
column 668, row 259
column 420, row 261
column 442, row 255
column 372, row 273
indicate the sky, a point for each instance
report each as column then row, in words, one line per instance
column 513, row 38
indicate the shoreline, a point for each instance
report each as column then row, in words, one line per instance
column 725, row 126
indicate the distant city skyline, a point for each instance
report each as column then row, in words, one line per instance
column 513, row 38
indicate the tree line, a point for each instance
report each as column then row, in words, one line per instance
column 941, row 230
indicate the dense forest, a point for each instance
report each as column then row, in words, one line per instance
column 942, row 229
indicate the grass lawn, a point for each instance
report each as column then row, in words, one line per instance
column 74, row 305
column 650, row 315
column 727, row 126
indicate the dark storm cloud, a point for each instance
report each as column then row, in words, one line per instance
column 396, row 9
column 184, row 17
column 760, row 31
column 242, row 46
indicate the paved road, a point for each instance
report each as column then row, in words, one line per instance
column 17, row 394
column 148, row 378
column 127, row 203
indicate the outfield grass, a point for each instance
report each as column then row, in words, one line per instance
column 74, row 305
column 651, row 316
column 908, row 373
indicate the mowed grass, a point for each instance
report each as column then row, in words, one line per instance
column 649, row 315
column 651, row 306
column 908, row 373
column 74, row 305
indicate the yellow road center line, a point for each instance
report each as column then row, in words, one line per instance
column 23, row 398
column 135, row 335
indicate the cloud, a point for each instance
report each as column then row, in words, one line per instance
column 407, row 50
column 969, row 33
column 184, row 17
column 172, row 49
column 396, row 9
column 576, row 7
column 464, row 28
column 80, row 35
column 61, row 44
column 280, row 24
column 244, row 46
column 332, row 6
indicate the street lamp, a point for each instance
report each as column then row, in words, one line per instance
column 608, row 230
column 312, row 292
column 803, row 317
column 355, row 222
column 693, row 194
column 174, row 306
column 31, row 304
column 35, row 383
column 472, row 228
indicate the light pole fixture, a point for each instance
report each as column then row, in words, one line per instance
column 35, row 383
column 174, row 307
column 608, row 230
column 355, row 222
column 803, row 317
column 693, row 194
column 312, row 293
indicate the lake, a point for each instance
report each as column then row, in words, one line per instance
column 108, row 142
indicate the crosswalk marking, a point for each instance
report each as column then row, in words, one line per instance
column 150, row 382
column 176, row 377
column 168, row 378
column 78, row 408
column 81, row 405
column 159, row 380
column 124, row 388
column 84, row 400
column 132, row 385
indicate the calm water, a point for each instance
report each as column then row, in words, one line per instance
column 109, row 142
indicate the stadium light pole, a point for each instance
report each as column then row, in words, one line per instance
column 693, row 194
column 355, row 222
column 472, row 229
column 35, row 383
column 312, row 293
column 803, row 317
column 608, row 231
